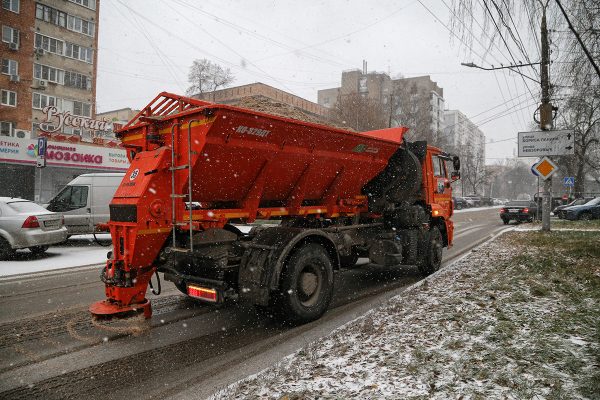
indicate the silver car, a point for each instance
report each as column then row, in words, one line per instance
column 24, row 224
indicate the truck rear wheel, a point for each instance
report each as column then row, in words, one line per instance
column 306, row 285
column 432, row 261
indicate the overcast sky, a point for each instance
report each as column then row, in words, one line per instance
column 147, row 46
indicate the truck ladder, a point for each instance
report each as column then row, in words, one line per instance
column 174, row 195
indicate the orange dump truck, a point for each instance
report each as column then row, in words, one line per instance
column 198, row 169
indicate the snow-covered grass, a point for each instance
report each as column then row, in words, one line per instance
column 79, row 250
column 518, row 318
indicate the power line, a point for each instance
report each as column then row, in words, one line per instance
column 585, row 50
column 460, row 39
column 504, row 40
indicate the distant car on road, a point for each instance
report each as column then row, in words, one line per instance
column 560, row 210
column 519, row 210
column 24, row 224
column 473, row 201
column 460, row 203
column 587, row 211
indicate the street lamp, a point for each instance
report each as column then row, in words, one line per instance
column 509, row 67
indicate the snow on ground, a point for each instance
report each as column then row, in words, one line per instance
column 80, row 250
column 485, row 327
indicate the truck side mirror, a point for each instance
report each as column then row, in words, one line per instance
column 456, row 164
column 455, row 175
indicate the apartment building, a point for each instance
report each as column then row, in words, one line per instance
column 463, row 135
column 48, row 88
column 416, row 102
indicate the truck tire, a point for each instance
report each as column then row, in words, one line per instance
column 306, row 285
column 432, row 260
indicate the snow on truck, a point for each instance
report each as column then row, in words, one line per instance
column 198, row 168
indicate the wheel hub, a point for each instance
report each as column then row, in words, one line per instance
column 308, row 283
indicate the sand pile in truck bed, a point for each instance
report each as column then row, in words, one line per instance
column 270, row 106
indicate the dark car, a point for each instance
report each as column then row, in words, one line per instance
column 560, row 210
column 587, row 211
column 520, row 211
column 460, row 203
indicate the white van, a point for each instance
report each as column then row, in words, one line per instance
column 84, row 201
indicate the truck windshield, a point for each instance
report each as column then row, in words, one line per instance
column 70, row 198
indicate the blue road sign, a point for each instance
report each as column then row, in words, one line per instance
column 41, row 150
column 533, row 171
column 569, row 181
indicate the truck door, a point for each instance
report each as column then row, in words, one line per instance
column 74, row 203
column 442, row 194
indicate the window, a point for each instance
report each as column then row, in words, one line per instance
column 41, row 100
column 51, row 15
column 11, row 5
column 48, row 73
column 10, row 67
column 70, row 198
column 83, row 109
column 77, row 52
column 6, row 128
column 28, row 207
column 91, row 4
column 80, row 25
column 49, row 44
column 10, row 35
column 9, row 98
column 76, row 80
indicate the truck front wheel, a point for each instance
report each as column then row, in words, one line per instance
column 306, row 285
column 432, row 260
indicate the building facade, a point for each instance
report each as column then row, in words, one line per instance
column 462, row 133
column 416, row 102
column 48, row 88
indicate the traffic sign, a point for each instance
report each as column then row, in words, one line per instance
column 534, row 171
column 546, row 143
column 569, row 181
column 546, row 168
column 41, row 150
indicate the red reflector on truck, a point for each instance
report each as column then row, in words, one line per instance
column 202, row 293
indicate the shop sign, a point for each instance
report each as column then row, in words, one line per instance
column 61, row 119
column 61, row 154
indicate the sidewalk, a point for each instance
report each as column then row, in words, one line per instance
column 517, row 318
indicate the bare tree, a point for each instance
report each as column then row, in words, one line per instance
column 360, row 112
column 206, row 76
column 512, row 178
column 473, row 170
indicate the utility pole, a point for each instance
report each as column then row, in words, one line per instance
column 545, row 117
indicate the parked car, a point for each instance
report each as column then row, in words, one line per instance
column 473, row 201
column 459, row 203
column 560, row 210
column 84, row 201
column 24, row 224
column 587, row 211
column 487, row 201
column 519, row 210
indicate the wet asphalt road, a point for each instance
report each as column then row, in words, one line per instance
column 50, row 347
